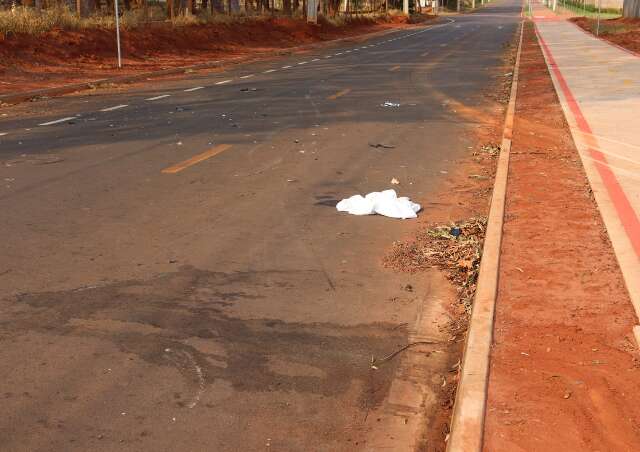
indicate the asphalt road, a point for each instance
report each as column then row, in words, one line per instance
column 174, row 275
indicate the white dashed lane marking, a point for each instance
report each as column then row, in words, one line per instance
column 222, row 82
column 158, row 97
column 117, row 107
column 57, row 121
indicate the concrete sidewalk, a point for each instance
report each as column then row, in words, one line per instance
column 598, row 85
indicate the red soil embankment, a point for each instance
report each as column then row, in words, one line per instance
column 62, row 57
column 623, row 32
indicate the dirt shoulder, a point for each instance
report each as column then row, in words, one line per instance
column 564, row 365
column 622, row 32
column 62, row 57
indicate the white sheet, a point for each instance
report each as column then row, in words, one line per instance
column 386, row 203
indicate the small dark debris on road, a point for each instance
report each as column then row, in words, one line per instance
column 382, row 145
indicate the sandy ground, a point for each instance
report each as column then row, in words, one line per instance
column 564, row 367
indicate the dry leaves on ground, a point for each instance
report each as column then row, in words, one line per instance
column 455, row 248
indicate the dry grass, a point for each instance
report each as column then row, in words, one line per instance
column 454, row 248
column 23, row 20
column 27, row 20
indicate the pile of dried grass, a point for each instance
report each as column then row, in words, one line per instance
column 454, row 248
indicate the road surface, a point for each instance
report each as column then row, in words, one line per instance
column 174, row 274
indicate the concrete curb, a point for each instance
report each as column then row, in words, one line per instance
column 467, row 423
column 15, row 98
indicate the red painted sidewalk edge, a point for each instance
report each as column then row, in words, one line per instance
column 627, row 215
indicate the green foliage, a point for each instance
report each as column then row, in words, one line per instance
column 588, row 9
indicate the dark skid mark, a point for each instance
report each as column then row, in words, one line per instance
column 190, row 303
column 326, row 200
column 327, row 203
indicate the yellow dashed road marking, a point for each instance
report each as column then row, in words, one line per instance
column 196, row 159
column 339, row 94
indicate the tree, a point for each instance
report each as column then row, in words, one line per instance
column 631, row 8
column 217, row 5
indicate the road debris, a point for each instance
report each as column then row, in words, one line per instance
column 388, row 104
column 381, row 145
column 459, row 255
column 384, row 203
column 395, row 181
column 45, row 159
column 375, row 363
column 491, row 149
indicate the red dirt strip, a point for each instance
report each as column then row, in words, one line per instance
column 565, row 374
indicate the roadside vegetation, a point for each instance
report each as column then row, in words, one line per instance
column 589, row 9
column 26, row 20
column 26, row 17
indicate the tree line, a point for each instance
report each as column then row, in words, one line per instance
column 174, row 8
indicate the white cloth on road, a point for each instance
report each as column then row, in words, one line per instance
column 384, row 203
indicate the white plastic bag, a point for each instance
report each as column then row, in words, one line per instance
column 384, row 203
